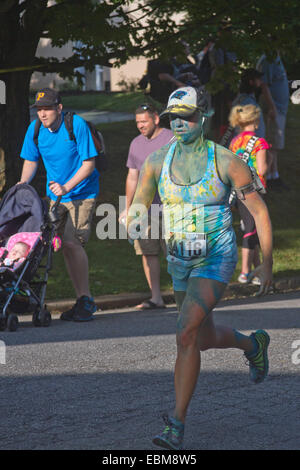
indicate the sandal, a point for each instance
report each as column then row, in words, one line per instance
column 149, row 305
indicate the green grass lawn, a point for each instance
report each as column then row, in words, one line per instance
column 114, row 268
column 122, row 102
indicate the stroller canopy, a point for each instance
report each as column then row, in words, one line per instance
column 21, row 210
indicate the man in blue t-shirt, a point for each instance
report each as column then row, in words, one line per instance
column 71, row 174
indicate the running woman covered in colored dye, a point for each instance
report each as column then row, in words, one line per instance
column 194, row 178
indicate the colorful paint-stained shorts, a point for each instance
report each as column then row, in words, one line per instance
column 218, row 269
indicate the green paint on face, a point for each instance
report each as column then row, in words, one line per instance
column 187, row 131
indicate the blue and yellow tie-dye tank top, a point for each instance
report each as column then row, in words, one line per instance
column 197, row 217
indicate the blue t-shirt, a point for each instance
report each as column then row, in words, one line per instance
column 276, row 79
column 63, row 157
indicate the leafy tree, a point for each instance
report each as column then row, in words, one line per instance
column 114, row 30
column 248, row 28
column 98, row 29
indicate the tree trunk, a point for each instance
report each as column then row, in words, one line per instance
column 14, row 120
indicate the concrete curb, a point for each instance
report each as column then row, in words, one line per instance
column 233, row 291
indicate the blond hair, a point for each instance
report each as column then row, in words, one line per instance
column 242, row 116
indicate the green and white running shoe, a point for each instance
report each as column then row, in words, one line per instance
column 258, row 362
column 172, row 435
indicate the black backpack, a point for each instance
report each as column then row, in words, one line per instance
column 227, row 137
column 101, row 159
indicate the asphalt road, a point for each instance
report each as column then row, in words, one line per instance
column 103, row 385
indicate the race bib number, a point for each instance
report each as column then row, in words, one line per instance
column 188, row 246
column 185, row 234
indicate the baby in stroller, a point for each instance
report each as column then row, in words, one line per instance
column 15, row 256
column 27, row 241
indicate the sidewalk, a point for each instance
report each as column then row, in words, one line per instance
column 99, row 117
column 233, row 291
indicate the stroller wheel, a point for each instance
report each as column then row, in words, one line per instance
column 45, row 318
column 2, row 324
column 41, row 318
column 35, row 318
column 12, row 322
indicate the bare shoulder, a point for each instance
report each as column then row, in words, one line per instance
column 229, row 165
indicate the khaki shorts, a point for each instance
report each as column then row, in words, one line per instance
column 75, row 220
column 149, row 246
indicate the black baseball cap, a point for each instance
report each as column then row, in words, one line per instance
column 47, row 97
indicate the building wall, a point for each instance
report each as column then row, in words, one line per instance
column 133, row 70
column 99, row 79
column 52, row 80
column 101, row 75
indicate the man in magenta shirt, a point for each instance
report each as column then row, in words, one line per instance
column 152, row 137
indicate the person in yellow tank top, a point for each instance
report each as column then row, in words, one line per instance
column 194, row 178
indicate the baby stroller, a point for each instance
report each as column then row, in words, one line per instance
column 24, row 217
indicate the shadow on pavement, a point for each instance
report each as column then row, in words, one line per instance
column 127, row 323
